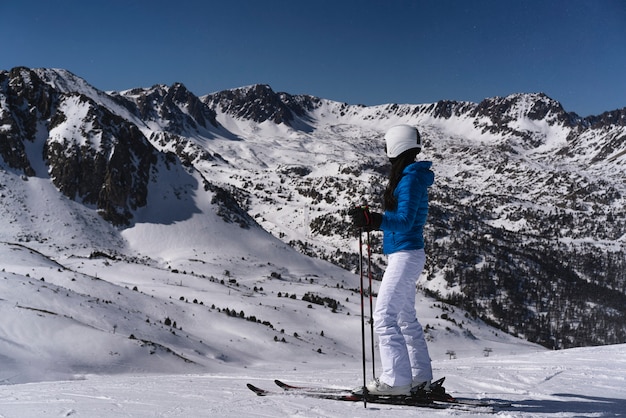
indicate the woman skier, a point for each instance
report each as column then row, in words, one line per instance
column 404, row 355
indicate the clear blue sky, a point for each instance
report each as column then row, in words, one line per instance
column 356, row 51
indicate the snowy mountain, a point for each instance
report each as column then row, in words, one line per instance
column 153, row 230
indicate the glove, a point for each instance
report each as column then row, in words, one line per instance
column 363, row 218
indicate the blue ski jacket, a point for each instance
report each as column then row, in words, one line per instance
column 403, row 227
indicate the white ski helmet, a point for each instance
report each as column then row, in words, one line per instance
column 400, row 138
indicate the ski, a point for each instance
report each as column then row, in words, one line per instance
column 352, row 397
column 321, row 389
column 287, row 387
column 436, row 393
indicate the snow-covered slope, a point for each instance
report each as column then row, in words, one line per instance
column 560, row 384
column 109, row 314
column 180, row 290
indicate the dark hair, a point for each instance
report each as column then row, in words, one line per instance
column 398, row 165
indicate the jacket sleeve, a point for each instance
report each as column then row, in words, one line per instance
column 409, row 193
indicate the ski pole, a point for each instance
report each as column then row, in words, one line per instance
column 362, row 317
column 369, row 273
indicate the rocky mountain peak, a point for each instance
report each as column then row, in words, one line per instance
column 182, row 111
column 258, row 103
column 536, row 106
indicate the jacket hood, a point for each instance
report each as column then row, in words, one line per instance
column 421, row 169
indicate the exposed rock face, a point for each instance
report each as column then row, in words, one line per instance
column 25, row 100
column 112, row 174
column 92, row 154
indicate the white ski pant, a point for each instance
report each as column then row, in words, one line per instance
column 403, row 352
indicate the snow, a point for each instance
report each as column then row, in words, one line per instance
column 586, row 382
